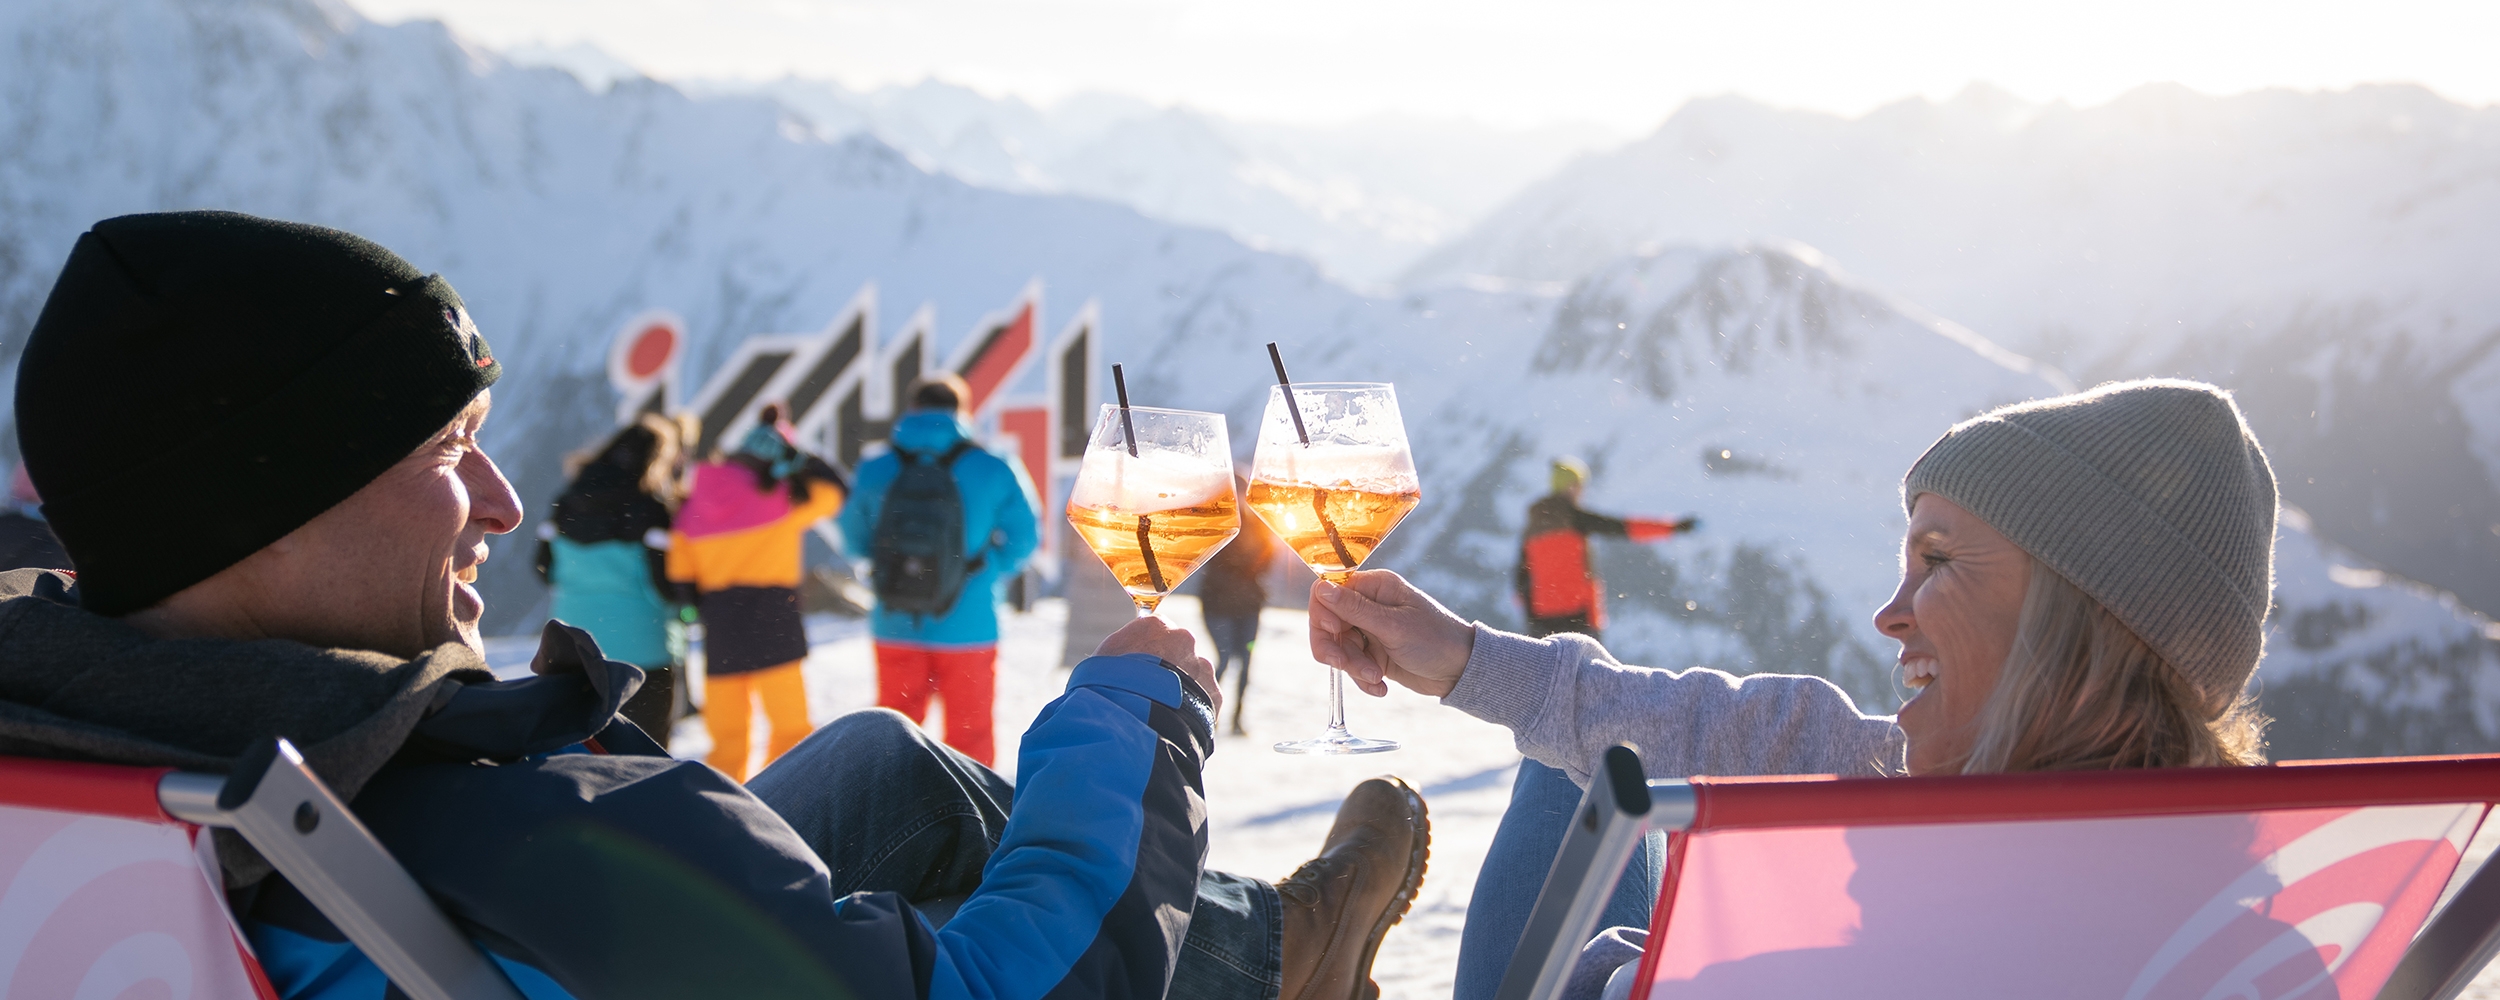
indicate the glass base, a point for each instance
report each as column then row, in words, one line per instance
column 1337, row 741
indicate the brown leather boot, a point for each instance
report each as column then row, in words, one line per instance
column 1339, row 904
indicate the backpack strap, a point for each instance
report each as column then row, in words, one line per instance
column 979, row 560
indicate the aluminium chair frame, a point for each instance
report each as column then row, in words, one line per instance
column 285, row 812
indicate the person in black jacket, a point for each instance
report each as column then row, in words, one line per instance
column 318, row 585
column 604, row 549
column 1232, row 589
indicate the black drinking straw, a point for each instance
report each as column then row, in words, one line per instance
column 1290, row 406
column 1319, row 497
column 1145, row 524
column 1127, row 430
column 1154, row 570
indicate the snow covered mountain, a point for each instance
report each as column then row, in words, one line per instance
column 1782, row 400
column 1364, row 199
column 2326, row 254
column 560, row 213
column 2362, row 663
column 1757, row 385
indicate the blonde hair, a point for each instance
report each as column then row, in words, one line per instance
column 2082, row 692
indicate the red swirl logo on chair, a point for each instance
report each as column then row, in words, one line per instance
column 96, row 908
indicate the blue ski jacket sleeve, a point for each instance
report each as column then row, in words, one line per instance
column 1102, row 850
column 630, row 875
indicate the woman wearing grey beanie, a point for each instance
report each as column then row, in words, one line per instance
column 2084, row 585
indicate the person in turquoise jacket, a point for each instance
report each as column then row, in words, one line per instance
column 602, row 551
column 954, row 655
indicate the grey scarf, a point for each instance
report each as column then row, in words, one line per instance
column 79, row 686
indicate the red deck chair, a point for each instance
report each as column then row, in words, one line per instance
column 108, row 886
column 2297, row 880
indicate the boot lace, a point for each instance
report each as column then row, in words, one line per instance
column 1303, row 886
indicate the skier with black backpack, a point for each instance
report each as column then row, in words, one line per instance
column 943, row 523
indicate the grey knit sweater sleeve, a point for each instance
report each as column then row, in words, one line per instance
column 1565, row 700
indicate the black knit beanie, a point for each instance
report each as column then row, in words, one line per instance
column 202, row 383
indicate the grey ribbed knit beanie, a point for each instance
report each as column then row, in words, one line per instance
column 2150, row 496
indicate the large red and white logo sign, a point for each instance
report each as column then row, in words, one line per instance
column 841, row 387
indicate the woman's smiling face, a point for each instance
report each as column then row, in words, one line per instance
column 1961, row 597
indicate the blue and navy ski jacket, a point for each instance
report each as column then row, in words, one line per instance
column 625, row 874
column 999, row 529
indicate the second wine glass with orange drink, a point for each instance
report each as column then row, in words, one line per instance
column 1332, row 477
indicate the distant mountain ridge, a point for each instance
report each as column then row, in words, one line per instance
column 1363, row 199
column 2327, row 255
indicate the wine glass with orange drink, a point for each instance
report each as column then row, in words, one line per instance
column 1154, row 497
column 1332, row 477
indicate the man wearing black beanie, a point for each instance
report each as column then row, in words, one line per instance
column 257, row 441
column 188, row 349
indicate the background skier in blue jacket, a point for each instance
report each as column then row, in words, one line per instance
column 951, row 652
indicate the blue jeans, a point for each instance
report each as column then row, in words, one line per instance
column 890, row 810
column 1541, row 803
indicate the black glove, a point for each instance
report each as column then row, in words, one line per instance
column 1686, row 525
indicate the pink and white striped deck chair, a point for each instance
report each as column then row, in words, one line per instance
column 106, row 893
column 2300, row 880
column 109, row 888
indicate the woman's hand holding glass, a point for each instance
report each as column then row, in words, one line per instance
column 1379, row 628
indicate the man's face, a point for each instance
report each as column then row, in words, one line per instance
column 393, row 568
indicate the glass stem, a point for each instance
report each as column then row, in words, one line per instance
column 1336, row 678
column 1336, row 703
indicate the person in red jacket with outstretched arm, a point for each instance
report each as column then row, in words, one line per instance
column 1558, row 585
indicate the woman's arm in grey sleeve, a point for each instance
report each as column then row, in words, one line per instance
column 1565, row 700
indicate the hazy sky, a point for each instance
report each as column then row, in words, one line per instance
column 1622, row 64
